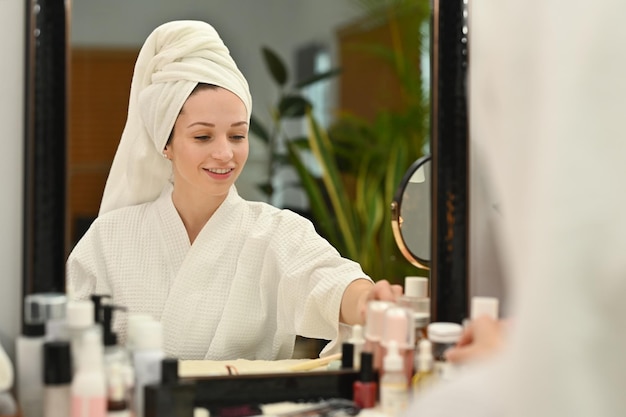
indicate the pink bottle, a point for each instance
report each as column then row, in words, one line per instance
column 399, row 328
column 374, row 324
column 88, row 389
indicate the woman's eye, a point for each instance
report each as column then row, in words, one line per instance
column 202, row 137
column 238, row 137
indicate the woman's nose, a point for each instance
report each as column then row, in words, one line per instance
column 222, row 150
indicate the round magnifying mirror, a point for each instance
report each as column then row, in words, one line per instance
column 410, row 213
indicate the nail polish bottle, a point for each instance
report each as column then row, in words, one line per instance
column 365, row 389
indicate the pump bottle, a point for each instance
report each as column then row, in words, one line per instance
column 117, row 365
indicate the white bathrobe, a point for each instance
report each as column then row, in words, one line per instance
column 254, row 278
column 548, row 111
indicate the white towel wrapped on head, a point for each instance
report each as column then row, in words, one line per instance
column 175, row 57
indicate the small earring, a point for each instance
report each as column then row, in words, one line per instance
column 165, row 155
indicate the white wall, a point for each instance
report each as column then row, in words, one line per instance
column 12, row 166
column 245, row 26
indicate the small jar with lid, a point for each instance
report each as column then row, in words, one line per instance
column 443, row 335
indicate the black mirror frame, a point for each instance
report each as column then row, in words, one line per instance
column 45, row 150
column 450, row 167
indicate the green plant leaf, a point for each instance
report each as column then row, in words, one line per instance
column 322, row 149
column 301, row 142
column 259, row 130
column 293, row 106
column 318, row 77
column 319, row 208
column 275, row 66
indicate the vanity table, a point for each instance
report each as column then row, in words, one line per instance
column 242, row 387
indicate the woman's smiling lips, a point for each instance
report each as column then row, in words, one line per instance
column 219, row 173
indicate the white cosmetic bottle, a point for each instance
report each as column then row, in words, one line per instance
column 358, row 341
column 88, row 391
column 394, row 388
column 134, row 320
column 38, row 308
column 484, row 306
column 147, row 357
column 79, row 318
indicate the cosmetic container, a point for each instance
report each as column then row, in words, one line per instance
column 416, row 299
column 38, row 308
column 118, row 367
column 88, row 390
column 57, row 330
column 394, row 388
column 443, row 335
column 347, row 355
column 416, row 287
column 484, row 306
column 399, row 330
column 57, row 378
column 358, row 342
column 79, row 319
column 365, row 388
column 118, row 397
column 424, row 376
column 374, row 323
column 132, row 321
column 147, row 356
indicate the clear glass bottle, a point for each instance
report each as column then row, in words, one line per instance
column 416, row 299
column 424, row 375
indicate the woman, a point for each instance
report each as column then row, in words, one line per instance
column 227, row 278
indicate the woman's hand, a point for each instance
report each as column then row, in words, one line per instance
column 482, row 338
column 362, row 291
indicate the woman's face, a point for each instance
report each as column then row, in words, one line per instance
column 209, row 146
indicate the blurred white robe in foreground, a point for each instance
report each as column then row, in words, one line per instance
column 548, row 116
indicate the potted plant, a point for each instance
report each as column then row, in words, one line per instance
column 362, row 161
